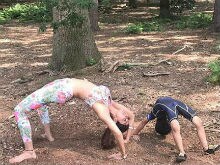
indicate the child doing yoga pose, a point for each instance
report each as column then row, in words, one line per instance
column 61, row 91
column 166, row 110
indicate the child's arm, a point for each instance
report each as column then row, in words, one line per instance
column 140, row 127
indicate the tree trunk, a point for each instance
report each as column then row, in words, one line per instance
column 73, row 47
column 94, row 16
column 164, row 9
column 132, row 4
column 216, row 16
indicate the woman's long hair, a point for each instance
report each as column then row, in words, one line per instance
column 108, row 139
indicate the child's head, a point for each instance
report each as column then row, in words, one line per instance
column 162, row 125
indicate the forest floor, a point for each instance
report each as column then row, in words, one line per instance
column 25, row 54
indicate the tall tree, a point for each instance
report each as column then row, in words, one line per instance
column 174, row 7
column 164, row 8
column 216, row 16
column 132, row 3
column 74, row 46
column 94, row 16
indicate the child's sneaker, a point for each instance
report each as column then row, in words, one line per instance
column 212, row 149
column 181, row 157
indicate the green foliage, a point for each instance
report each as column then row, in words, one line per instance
column 152, row 25
column 124, row 67
column 177, row 6
column 70, row 8
column 42, row 12
column 214, row 66
column 25, row 12
column 84, row 4
column 217, row 48
column 134, row 29
column 3, row 19
column 195, row 21
column 91, row 61
column 105, row 6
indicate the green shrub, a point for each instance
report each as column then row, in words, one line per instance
column 195, row 21
column 124, row 67
column 214, row 66
column 134, row 29
column 151, row 25
column 154, row 25
column 26, row 12
column 3, row 19
column 91, row 61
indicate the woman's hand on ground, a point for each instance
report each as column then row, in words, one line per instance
column 126, row 141
column 117, row 156
column 136, row 137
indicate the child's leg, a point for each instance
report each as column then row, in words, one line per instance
column 201, row 132
column 176, row 135
column 45, row 119
column 25, row 131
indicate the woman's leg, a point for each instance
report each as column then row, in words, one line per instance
column 45, row 120
column 201, row 132
column 176, row 135
column 25, row 131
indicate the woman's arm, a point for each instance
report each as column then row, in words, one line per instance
column 130, row 117
column 104, row 115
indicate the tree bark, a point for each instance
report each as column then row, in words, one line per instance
column 73, row 47
column 164, row 9
column 94, row 16
column 132, row 4
column 216, row 16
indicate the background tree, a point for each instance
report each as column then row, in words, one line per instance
column 174, row 7
column 164, row 9
column 74, row 46
column 132, row 3
column 94, row 16
column 216, row 16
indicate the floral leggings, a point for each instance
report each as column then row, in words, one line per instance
column 58, row 91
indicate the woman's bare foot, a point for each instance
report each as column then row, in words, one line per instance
column 25, row 155
column 50, row 138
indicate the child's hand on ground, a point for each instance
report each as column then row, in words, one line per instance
column 136, row 137
column 116, row 156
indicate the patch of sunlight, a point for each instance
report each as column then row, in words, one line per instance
column 44, row 55
column 5, row 40
column 9, row 65
column 196, row 58
column 153, row 8
column 155, row 47
column 132, row 38
column 39, row 64
column 183, row 37
column 137, row 13
column 4, row 54
column 211, row 99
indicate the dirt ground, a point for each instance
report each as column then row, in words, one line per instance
column 25, row 54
